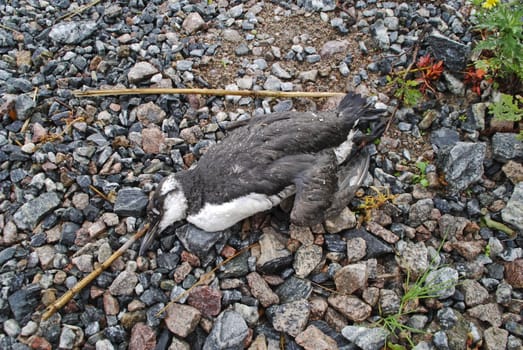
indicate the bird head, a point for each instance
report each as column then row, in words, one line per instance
column 167, row 206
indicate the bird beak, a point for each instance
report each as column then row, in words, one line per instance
column 150, row 236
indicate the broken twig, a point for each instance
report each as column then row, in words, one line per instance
column 216, row 92
column 77, row 288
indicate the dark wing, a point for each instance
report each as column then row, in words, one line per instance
column 258, row 157
column 315, row 188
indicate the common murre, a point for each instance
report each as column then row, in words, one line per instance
column 319, row 157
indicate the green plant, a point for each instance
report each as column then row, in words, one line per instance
column 406, row 90
column 487, row 251
column 508, row 107
column 420, row 289
column 421, row 178
column 411, row 91
column 501, row 46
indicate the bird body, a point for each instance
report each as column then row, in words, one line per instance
column 268, row 159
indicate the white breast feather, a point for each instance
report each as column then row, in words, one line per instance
column 217, row 217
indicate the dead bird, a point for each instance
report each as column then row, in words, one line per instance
column 319, row 157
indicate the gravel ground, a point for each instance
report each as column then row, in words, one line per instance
column 76, row 173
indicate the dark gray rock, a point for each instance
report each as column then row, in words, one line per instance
column 375, row 246
column 228, row 332
column 198, row 241
column 24, row 301
column 444, row 137
column 463, row 165
column 293, row 289
column 237, row 267
column 507, row 146
column 29, row 214
column 130, row 201
column 454, row 54
column 24, row 104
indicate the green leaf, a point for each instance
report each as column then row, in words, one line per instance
column 506, row 109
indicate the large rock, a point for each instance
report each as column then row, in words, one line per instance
column 463, row 165
column 130, row 201
column 228, row 332
column 507, row 146
column 29, row 214
column 73, row 32
column 454, row 54
column 513, row 212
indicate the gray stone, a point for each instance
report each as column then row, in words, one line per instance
column 248, row 313
column 24, row 301
column 73, row 32
column 294, row 289
column 507, row 146
column 447, row 317
column 306, row 259
column 290, row 318
column 513, row 213
column 198, row 241
column 228, row 332
column 141, row 71
column 124, row 283
column 318, row 5
column 333, row 47
column 455, row 85
column 24, row 105
column 29, row 214
column 440, row 340
column 389, row 302
column 279, row 71
column 274, row 254
column 463, row 165
column 442, row 282
column 420, row 212
column 345, row 220
column 272, row 83
column 130, row 201
column 11, row 328
column 412, row 257
column 474, row 292
column 380, row 35
column 366, row 338
column 444, row 137
column 193, row 22
column 454, row 54
column 495, row 338
column 375, row 247
column 351, row 278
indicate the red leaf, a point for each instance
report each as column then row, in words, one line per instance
column 424, row 61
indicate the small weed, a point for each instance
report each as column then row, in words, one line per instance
column 421, row 178
column 487, row 251
column 411, row 91
column 420, row 289
column 508, row 108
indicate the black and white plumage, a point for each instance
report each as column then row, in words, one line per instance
column 319, row 157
